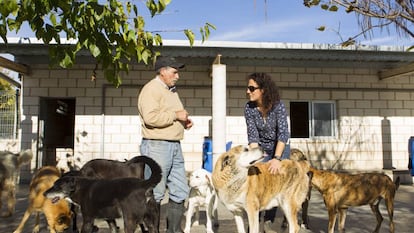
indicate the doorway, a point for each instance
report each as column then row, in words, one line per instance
column 56, row 128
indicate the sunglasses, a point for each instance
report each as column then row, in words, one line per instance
column 252, row 88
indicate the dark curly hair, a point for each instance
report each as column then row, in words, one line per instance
column 270, row 90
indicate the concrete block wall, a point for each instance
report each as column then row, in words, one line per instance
column 109, row 114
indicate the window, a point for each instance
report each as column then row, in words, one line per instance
column 312, row 119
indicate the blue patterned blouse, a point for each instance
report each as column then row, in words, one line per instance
column 267, row 131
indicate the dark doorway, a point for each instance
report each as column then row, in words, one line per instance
column 56, row 128
column 299, row 119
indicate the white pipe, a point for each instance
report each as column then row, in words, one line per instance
column 219, row 110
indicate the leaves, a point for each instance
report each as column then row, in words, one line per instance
column 321, row 28
column 190, row 36
column 111, row 31
column 157, row 7
column 348, row 42
column 333, row 8
column 373, row 14
column 205, row 32
column 309, row 3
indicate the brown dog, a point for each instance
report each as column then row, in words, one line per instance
column 340, row 191
column 10, row 164
column 242, row 184
column 58, row 215
column 297, row 155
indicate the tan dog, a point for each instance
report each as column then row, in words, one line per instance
column 340, row 191
column 243, row 184
column 10, row 164
column 58, row 215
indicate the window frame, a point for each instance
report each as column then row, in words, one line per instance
column 332, row 119
column 312, row 122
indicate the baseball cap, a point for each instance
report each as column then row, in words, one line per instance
column 168, row 61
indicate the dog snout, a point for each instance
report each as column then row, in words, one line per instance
column 259, row 148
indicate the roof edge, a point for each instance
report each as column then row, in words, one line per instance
column 240, row 44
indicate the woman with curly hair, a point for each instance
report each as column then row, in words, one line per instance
column 267, row 126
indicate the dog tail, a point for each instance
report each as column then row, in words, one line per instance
column 24, row 157
column 156, row 172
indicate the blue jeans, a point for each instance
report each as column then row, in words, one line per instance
column 169, row 156
column 286, row 152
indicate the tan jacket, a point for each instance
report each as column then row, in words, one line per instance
column 157, row 106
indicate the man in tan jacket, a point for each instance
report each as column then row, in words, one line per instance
column 163, row 120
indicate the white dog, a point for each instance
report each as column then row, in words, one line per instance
column 202, row 194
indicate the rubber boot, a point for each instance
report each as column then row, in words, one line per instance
column 158, row 214
column 269, row 218
column 175, row 213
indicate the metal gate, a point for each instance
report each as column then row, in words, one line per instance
column 9, row 114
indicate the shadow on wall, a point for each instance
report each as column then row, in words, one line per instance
column 354, row 137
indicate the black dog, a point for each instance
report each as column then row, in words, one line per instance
column 110, row 169
column 105, row 168
column 130, row 198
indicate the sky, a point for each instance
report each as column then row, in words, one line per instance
column 277, row 21
column 286, row 21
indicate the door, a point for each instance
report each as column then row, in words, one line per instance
column 56, row 128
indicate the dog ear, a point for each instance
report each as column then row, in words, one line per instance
column 209, row 181
column 225, row 163
column 62, row 218
column 253, row 170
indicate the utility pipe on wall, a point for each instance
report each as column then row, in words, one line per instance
column 219, row 108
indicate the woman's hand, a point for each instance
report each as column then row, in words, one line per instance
column 274, row 166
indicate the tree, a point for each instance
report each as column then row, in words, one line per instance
column 385, row 13
column 113, row 31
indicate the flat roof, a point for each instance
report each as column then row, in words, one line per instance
column 391, row 59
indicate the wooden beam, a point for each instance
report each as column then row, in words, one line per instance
column 10, row 80
column 11, row 65
column 398, row 71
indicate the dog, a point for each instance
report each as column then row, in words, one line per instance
column 58, row 215
column 298, row 155
column 202, row 194
column 341, row 190
column 128, row 197
column 242, row 182
column 10, row 164
column 109, row 169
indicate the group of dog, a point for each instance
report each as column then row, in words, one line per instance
column 101, row 189
column 245, row 186
column 110, row 189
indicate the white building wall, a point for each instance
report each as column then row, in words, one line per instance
column 113, row 130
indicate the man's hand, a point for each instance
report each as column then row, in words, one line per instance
column 181, row 115
column 188, row 124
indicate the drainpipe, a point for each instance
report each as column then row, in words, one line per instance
column 219, row 108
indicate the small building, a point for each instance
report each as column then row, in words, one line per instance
column 349, row 108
